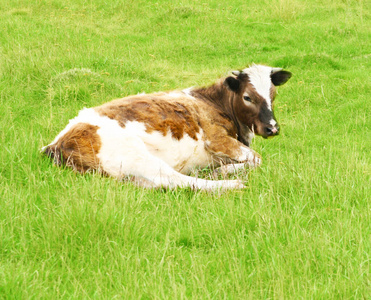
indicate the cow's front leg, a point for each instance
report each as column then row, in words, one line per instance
column 228, row 169
column 249, row 157
column 233, row 154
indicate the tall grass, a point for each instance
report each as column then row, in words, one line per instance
column 300, row 229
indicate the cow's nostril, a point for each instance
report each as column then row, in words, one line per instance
column 268, row 130
column 272, row 130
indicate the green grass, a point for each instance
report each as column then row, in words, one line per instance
column 300, row 230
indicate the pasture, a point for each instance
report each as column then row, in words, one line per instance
column 301, row 229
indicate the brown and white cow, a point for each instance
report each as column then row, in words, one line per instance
column 159, row 138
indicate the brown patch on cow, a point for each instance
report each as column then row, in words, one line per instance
column 218, row 107
column 159, row 112
column 78, row 148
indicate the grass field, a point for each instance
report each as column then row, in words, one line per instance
column 300, row 230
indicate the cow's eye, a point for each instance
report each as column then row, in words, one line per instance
column 247, row 98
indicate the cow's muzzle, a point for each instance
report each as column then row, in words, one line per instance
column 271, row 131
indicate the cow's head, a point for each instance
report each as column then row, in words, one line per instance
column 252, row 104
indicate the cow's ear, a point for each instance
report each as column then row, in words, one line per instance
column 232, row 83
column 280, row 77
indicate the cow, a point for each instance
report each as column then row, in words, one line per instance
column 158, row 139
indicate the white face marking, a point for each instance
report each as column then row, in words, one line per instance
column 260, row 78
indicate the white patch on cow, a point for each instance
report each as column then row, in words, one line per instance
column 273, row 122
column 179, row 94
column 260, row 78
column 183, row 155
column 152, row 156
column 250, row 136
column 175, row 94
column 188, row 91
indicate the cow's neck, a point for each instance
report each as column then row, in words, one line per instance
column 220, row 96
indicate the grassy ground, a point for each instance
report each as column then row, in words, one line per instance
column 300, row 230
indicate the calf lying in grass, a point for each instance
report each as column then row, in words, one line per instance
column 159, row 138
